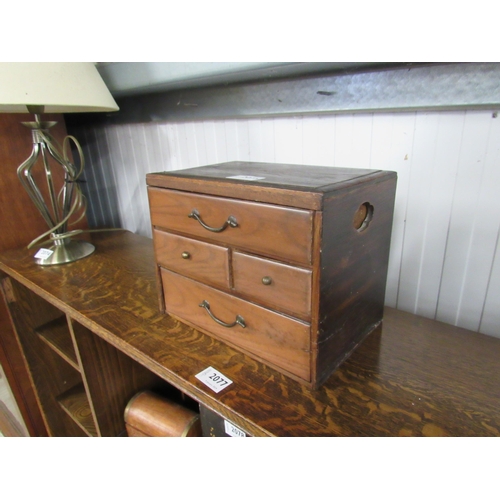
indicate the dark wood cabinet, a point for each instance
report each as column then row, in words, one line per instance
column 20, row 222
column 82, row 383
column 92, row 335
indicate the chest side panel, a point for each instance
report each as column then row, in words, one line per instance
column 356, row 236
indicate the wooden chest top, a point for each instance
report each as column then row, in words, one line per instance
column 301, row 186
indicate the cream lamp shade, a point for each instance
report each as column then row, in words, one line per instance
column 60, row 87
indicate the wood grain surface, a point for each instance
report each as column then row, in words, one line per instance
column 76, row 404
column 111, row 379
column 410, row 377
column 353, row 269
column 56, row 335
column 280, row 340
column 288, row 288
column 49, row 372
column 341, row 295
column 271, row 230
column 197, row 259
column 280, row 184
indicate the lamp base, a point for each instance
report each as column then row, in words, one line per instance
column 65, row 251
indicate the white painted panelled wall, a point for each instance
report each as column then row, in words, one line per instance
column 445, row 252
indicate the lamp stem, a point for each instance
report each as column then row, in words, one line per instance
column 48, row 172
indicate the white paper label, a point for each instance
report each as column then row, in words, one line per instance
column 245, row 177
column 233, row 431
column 214, row 379
column 43, row 253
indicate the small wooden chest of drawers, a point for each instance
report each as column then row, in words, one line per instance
column 287, row 263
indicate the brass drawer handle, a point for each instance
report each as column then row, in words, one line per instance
column 239, row 320
column 231, row 222
column 267, row 280
column 185, row 255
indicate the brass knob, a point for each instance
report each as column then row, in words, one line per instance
column 186, row 255
column 266, row 280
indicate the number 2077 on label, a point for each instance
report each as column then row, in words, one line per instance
column 214, row 379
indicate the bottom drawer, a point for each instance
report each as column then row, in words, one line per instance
column 281, row 341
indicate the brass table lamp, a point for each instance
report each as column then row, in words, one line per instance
column 54, row 88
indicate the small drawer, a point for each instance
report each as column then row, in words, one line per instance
column 279, row 286
column 197, row 259
column 270, row 230
column 273, row 338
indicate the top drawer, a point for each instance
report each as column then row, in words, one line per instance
column 271, row 230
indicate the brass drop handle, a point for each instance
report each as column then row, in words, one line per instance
column 231, row 222
column 239, row 320
column 185, row 255
column 267, row 280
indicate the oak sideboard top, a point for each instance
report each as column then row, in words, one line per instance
column 411, row 377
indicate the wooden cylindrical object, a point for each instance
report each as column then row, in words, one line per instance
column 150, row 415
